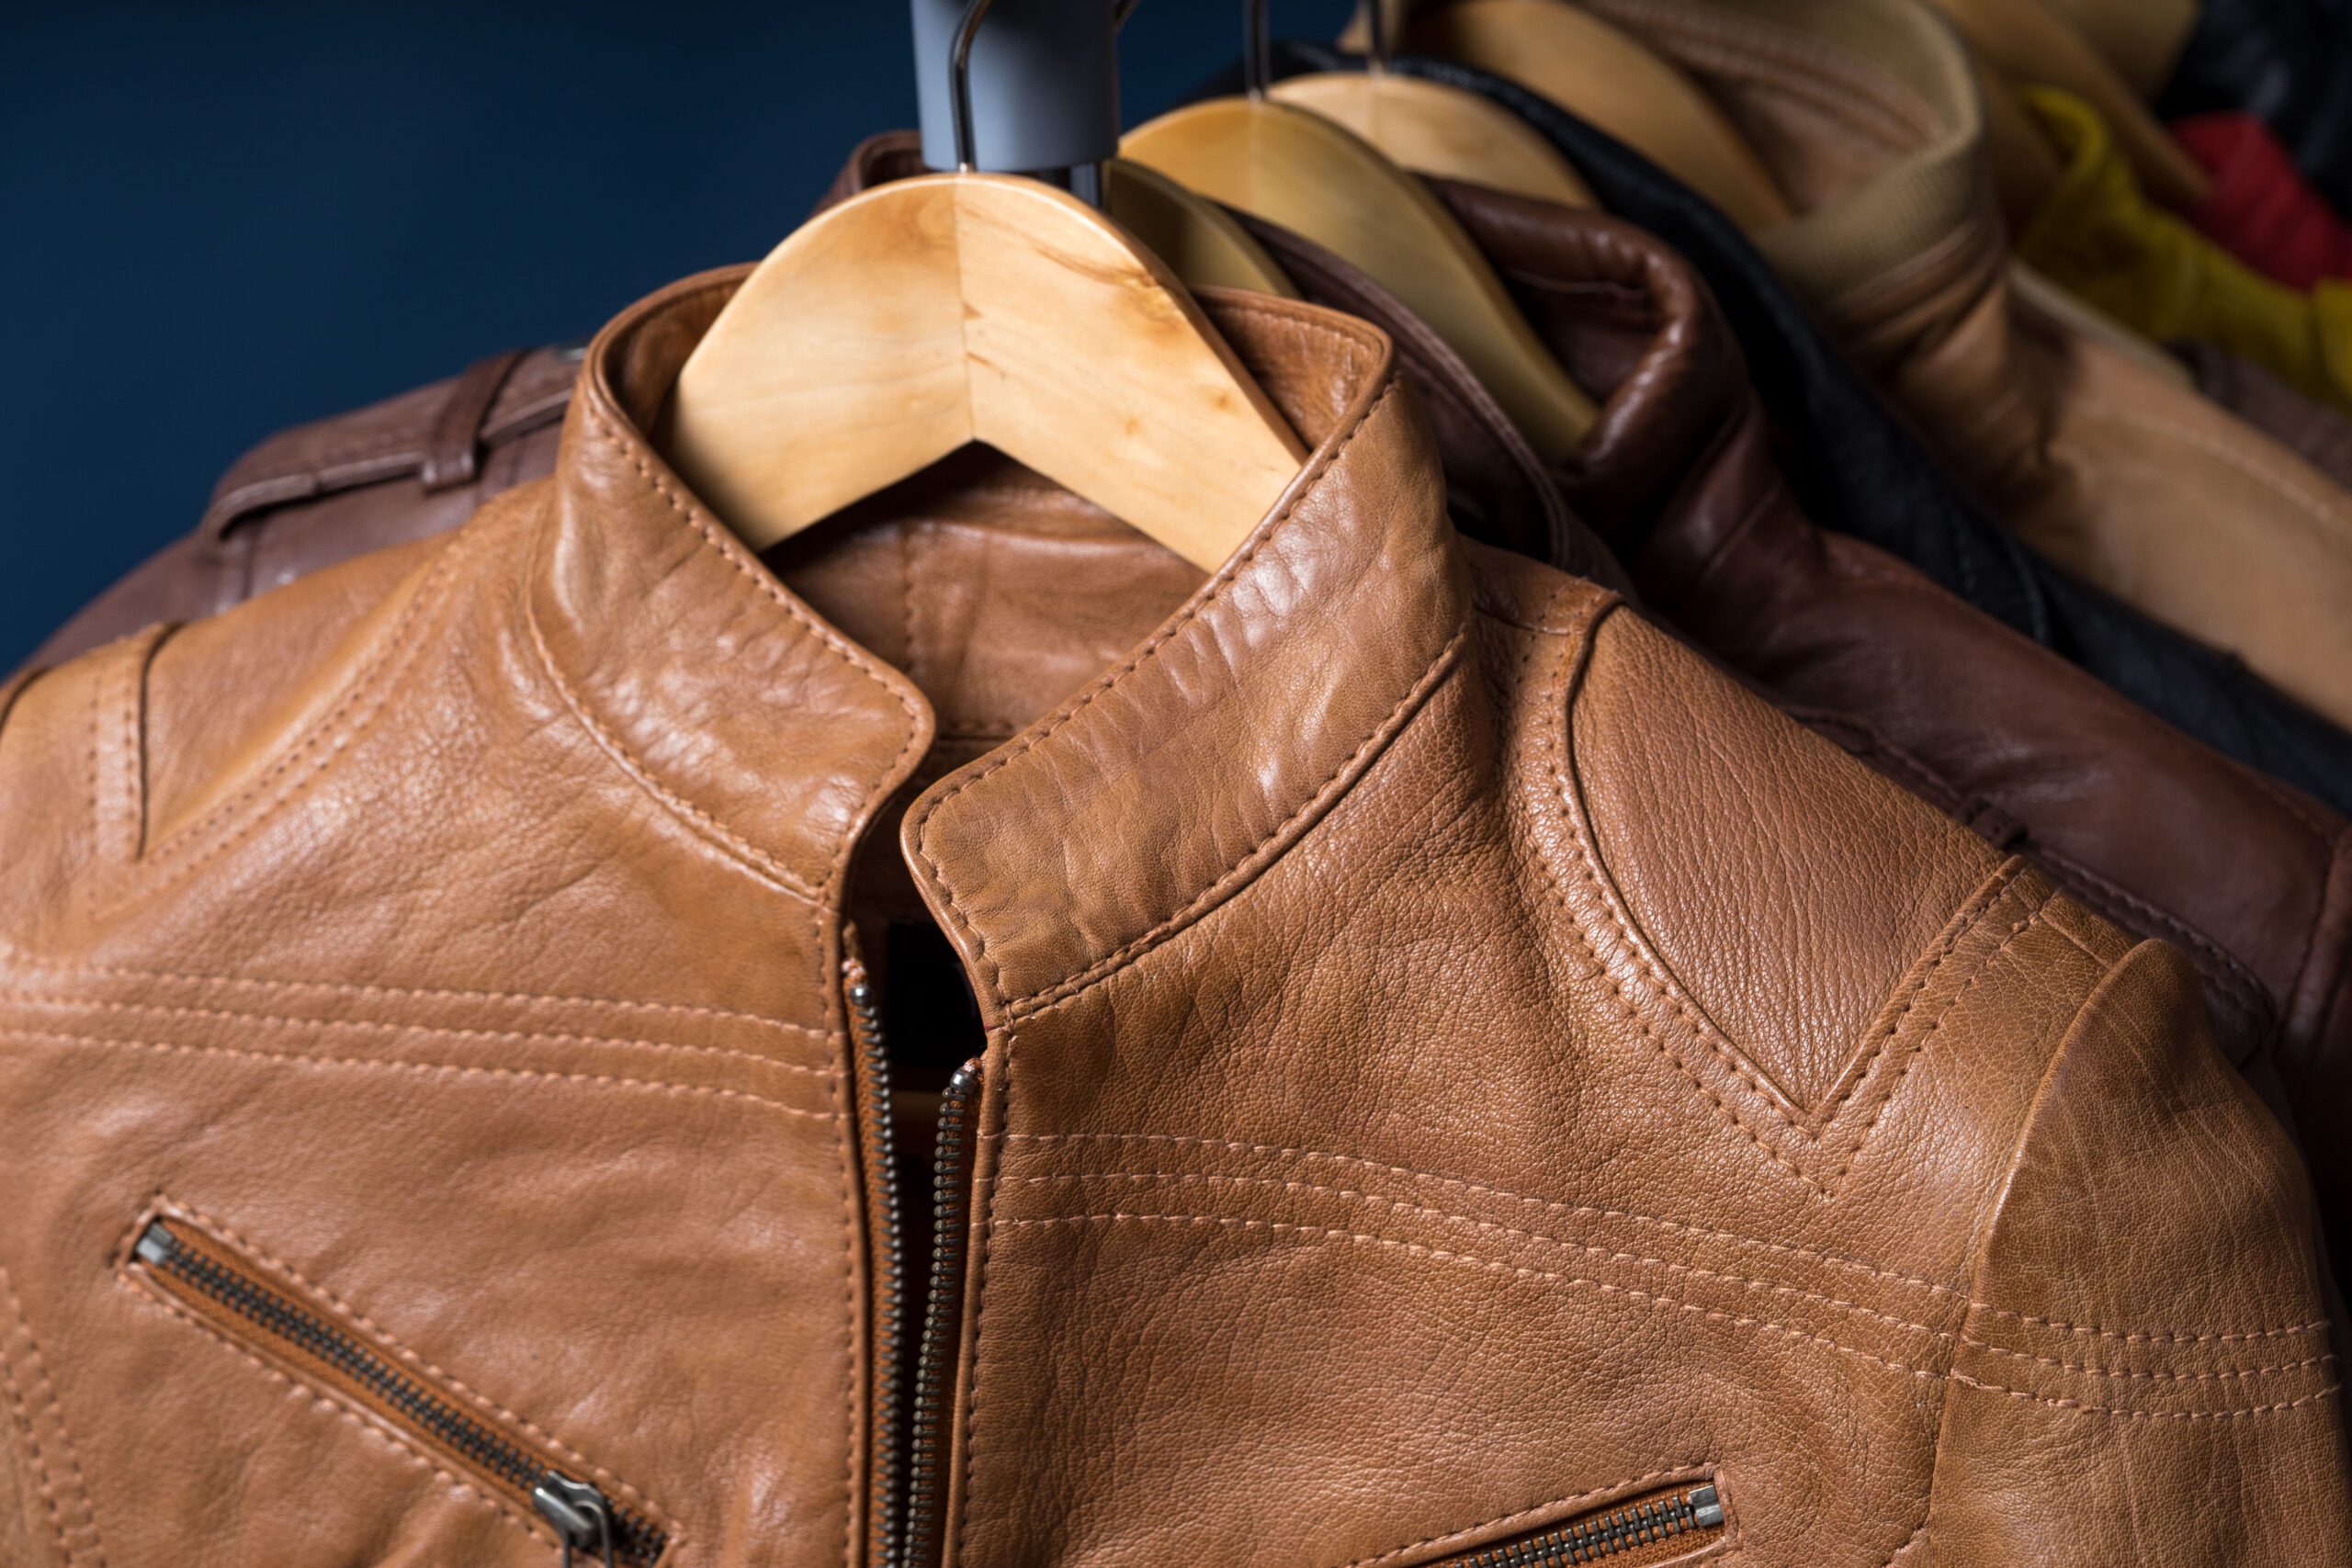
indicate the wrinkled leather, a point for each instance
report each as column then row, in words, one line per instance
column 2320, row 436
column 2102, row 464
column 1858, row 469
column 1434, row 1080
column 2160, row 834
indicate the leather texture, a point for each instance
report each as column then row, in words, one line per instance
column 2320, row 436
column 2253, row 882
column 1434, row 1081
column 1868, row 112
column 1858, row 469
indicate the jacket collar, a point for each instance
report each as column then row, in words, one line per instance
column 1140, row 803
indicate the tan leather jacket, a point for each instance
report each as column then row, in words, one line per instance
column 1869, row 112
column 1451, row 1067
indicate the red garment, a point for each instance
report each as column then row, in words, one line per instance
column 2261, row 208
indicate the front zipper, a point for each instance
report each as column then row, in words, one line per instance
column 941, row 1319
column 1648, row 1529
column 234, row 1295
column 878, row 1154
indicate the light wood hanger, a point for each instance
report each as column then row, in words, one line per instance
column 1199, row 240
column 2032, row 45
column 2142, row 39
column 1321, row 180
column 1604, row 76
column 932, row 312
column 1432, row 128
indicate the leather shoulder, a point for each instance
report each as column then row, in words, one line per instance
column 2145, row 1332
column 1788, row 887
column 104, row 756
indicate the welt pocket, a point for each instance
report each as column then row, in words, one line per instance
column 1664, row 1525
column 255, row 1306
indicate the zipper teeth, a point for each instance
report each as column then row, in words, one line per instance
column 941, row 1322
column 1600, row 1536
column 276, row 1315
column 891, row 1331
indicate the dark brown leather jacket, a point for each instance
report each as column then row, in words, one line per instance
column 1433, row 1088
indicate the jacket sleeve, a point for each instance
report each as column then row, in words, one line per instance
column 2144, row 1375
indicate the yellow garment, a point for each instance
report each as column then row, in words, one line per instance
column 2099, row 237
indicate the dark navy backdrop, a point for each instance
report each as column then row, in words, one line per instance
column 219, row 219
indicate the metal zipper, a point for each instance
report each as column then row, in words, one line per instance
column 234, row 1295
column 878, row 1151
column 1649, row 1529
column 941, row 1320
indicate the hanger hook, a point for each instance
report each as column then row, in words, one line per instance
column 959, row 82
column 1375, row 16
column 1257, row 48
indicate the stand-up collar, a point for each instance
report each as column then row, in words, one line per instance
column 1143, row 801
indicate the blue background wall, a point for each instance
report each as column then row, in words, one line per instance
column 220, row 219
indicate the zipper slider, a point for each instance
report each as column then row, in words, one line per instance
column 579, row 1513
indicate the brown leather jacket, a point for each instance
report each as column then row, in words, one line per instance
column 1434, row 1087
column 2253, row 881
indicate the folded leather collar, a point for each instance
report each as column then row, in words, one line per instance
column 1156, row 791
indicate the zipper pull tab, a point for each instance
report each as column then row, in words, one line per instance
column 579, row 1513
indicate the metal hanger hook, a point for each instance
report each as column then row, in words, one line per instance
column 1257, row 48
column 1376, row 17
column 959, row 83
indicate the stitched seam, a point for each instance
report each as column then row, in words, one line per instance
column 1918, row 1047
column 1606, row 1255
column 551, row 1038
column 1507, row 1520
column 1249, row 865
column 221, row 1232
column 22, row 1329
column 41, row 1466
column 367, row 1064
column 335, row 988
column 330, row 734
column 1555, row 698
column 1475, row 1189
column 1493, row 1265
column 2234, row 976
column 773, row 870
column 1230, row 573
column 392, row 1439
column 1965, row 922
column 2330, row 1391
column 2154, row 1336
column 2223, row 1375
column 732, row 553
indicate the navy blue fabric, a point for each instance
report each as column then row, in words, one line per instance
column 1858, row 468
column 2286, row 63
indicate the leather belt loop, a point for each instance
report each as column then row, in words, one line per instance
column 453, row 449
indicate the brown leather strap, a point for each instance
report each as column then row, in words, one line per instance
column 453, row 449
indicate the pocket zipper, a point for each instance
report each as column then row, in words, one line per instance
column 235, row 1297
column 1651, row 1528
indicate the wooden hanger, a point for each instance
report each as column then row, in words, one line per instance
column 1321, row 180
column 1432, row 128
column 928, row 314
column 2142, row 39
column 1602, row 74
column 1197, row 239
column 2032, row 45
